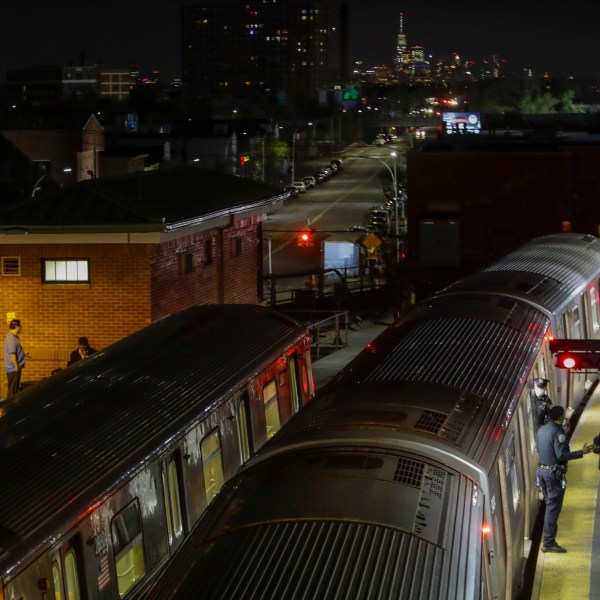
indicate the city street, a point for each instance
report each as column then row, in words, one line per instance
column 330, row 209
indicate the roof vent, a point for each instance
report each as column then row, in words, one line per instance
column 431, row 421
column 409, row 472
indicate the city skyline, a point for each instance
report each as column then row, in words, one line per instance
column 560, row 39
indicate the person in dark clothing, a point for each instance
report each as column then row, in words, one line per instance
column 14, row 357
column 82, row 351
column 554, row 454
column 543, row 404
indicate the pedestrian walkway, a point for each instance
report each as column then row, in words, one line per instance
column 574, row 575
column 359, row 335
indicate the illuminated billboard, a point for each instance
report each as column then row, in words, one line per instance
column 461, row 122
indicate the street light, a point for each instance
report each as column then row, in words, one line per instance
column 36, row 187
column 294, row 155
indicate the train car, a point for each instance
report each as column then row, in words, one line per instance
column 411, row 475
column 107, row 465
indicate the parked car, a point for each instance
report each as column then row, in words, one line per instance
column 380, row 213
column 300, row 186
column 320, row 177
column 337, row 162
column 292, row 191
column 379, row 225
column 309, row 181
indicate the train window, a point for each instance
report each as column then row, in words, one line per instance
column 212, row 464
column 128, row 546
column 271, row 402
column 56, row 581
column 510, row 465
column 574, row 330
column 170, row 479
column 71, row 577
column 294, row 383
column 243, row 427
column 594, row 306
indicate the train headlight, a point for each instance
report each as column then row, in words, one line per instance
column 486, row 529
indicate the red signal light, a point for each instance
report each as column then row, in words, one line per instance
column 576, row 355
column 564, row 360
column 305, row 238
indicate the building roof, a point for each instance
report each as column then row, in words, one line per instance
column 158, row 200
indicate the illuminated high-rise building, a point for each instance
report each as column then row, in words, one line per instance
column 278, row 50
column 401, row 47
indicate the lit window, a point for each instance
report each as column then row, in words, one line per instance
column 212, row 465
column 56, row 581
column 71, row 577
column 271, row 402
column 65, row 271
column 128, row 547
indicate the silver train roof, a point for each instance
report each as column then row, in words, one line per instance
column 64, row 440
column 453, row 369
column 545, row 271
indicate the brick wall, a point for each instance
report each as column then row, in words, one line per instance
column 115, row 304
column 130, row 287
column 209, row 276
column 240, row 284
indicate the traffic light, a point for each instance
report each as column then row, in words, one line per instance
column 576, row 355
column 306, row 238
column 577, row 361
column 244, row 159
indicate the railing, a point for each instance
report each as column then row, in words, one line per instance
column 304, row 288
column 329, row 332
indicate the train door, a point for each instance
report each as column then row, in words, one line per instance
column 511, row 475
column 171, row 481
column 573, row 330
column 271, row 403
column 294, row 383
column 128, row 546
column 244, row 427
column 67, row 571
column 594, row 311
column 212, row 464
column 526, row 436
column 499, row 558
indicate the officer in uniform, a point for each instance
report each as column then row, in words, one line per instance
column 554, row 454
column 543, row 404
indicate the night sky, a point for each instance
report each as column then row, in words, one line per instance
column 556, row 36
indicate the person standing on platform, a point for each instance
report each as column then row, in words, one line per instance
column 554, row 454
column 543, row 404
column 82, row 351
column 14, row 357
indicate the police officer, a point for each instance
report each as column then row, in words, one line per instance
column 554, row 453
column 543, row 404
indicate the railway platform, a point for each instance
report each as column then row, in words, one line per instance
column 327, row 367
column 575, row 575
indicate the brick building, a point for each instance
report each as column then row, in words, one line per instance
column 470, row 202
column 107, row 257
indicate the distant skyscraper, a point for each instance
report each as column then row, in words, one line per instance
column 278, row 50
column 401, row 47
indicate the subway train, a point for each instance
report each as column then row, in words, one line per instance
column 107, row 465
column 411, row 475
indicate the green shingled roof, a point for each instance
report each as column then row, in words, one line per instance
column 153, row 197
